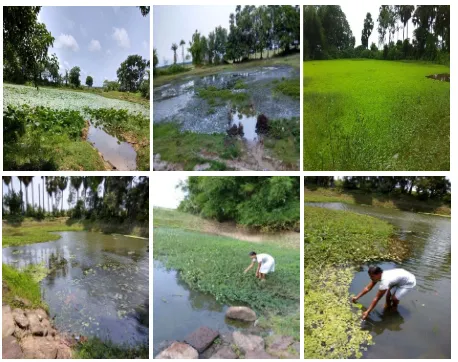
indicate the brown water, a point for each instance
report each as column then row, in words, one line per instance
column 98, row 285
column 445, row 77
column 421, row 328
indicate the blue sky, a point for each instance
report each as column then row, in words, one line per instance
column 97, row 39
column 173, row 23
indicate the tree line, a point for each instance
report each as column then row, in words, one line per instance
column 266, row 203
column 90, row 197
column 252, row 30
column 25, row 56
column 327, row 34
column 423, row 187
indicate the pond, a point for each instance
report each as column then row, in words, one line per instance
column 178, row 102
column 179, row 310
column 421, row 328
column 98, row 284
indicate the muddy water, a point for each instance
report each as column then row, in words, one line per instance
column 98, row 285
column 421, row 327
column 178, row 102
column 120, row 154
column 445, row 77
column 179, row 310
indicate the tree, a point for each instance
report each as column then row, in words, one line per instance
column 405, row 13
column 144, row 10
column 62, row 182
column 89, row 81
column 74, row 76
column 174, row 49
column 131, row 72
column 367, row 30
column 155, row 60
column 383, row 23
column 196, row 48
column 182, row 44
column 313, row 36
column 76, row 182
column 7, row 180
column 25, row 44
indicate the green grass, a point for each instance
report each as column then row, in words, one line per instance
column 215, row 96
column 391, row 201
column 214, row 264
column 335, row 241
column 289, row 87
column 283, row 139
column 375, row 115
column 185, row 148
column 95, row 348
column 20, row 284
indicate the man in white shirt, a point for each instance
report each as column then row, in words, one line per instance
column 266, row 264
column 396, row 283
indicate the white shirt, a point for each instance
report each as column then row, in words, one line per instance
column 264, row 258
column 397, row 278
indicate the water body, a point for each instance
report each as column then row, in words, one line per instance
column 98, row 285
column 120, row 154
column 179, row 310
column 178, row 102
column 421, row 328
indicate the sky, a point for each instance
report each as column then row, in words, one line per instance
column 171, row 24
column 166, row 193
column 356, row 13
column 97, row 39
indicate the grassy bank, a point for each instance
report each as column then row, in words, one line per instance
column 292, row 60
column 375, row 115
column 395, row 201
column 336, row 241
column 214, row 264
column 30, row 231
column 95, row 348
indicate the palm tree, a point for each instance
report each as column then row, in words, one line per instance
column 76, row 182
column 26, row 181
column 182, row 44
column 62, row 185
column 50, row 189
column 405, row 13
column 43, row 181
column 174, row 48
column 85, row 186
column 7, row 181
column 33, row 197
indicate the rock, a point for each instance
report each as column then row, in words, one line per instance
column 41, row 314
column 63, row 351
column 8, row 325
column 297, row 347
column 35, row 325
column 202, row 167
column 226, row 338
column 225, row 352
column 258, row 355
column 11, row 349
column 248, row 342
column 178, row 350
column 20, row 318
column 201, row 338
column 20, row 333
column 35, row 347
column 281, row 343
column 22, row 301
column 241, row 313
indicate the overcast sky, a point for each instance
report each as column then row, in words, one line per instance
column 97, row 39
column 356, row 13
column 171, row 24
column 166, row 194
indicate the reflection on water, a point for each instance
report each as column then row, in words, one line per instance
column 120, row 154
column 98, row 285
column 421, row 328
column 179, row 310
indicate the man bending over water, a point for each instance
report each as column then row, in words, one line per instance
column 396, row 283
column 266, row 264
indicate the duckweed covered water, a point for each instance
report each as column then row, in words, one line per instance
column 97, row 285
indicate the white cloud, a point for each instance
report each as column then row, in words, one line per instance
column 83, row 30
column 70, row 23
column 121, row 37
column 116, row 9
column 66, row 64
column 94, row 46
column 66, row 41
column 108, row 52
column 145, row 44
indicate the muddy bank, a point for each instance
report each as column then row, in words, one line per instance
column 178, row 101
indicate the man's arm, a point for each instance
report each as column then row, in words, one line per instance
column 366, row 290
column 378, row 296
column 259, row 268
column 249, row 267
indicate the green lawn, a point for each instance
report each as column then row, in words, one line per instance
column 362, row 114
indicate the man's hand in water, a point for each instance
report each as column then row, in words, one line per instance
column 354, row 299
column 365, row 315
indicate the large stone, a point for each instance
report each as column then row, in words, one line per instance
column 36, row 347
column 63, row 351
column 178, row 350
column 248, row 342
column 35, row 325
column 8, row 325
column 224, row 352
column 20, row 333
column 258, row 355
column 20, row 318
column 201, row 338
column 279, row 347
column 241, row 313
column 11, row 349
